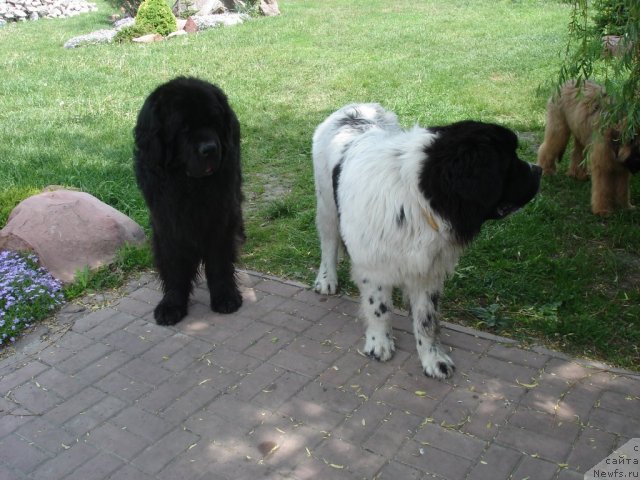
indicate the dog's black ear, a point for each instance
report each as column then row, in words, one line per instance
column 148, row 134
column 464, row 173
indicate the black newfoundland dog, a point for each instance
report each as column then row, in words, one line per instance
column 405, row 203
column 187, row 165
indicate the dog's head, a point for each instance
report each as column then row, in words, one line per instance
column 186, row 125
column 627, row 153
column 472, row 174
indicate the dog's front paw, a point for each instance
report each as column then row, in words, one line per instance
column 226, row 301
column 380, row 346
column 326, row 285
column 169, row 313
column 436, row 364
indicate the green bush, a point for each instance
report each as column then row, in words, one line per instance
column 156, row 16
column 132, row 31
column 129, row 7
column 611, row 16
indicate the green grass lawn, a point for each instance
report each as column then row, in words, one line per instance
column 553, row 272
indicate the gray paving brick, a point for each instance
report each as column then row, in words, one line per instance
column 278, row 392
column 592, row 445
column 392, row 432
column 154, row 458
column 277, row 288
column 20, row 375
column 434, row 461
column 216, row 398
column 46, row 435
column 269, row 344
column 111, row 324
column 353, row 458
column 537, row 468
column 35, row 398
column 59, row 467
column 496, row 462
column 116, row 440
column 134, row 307
column 18, row 453
column 74, row 405
column 93, row 319
column 98, row 468
column 144, row 424
column 122, row 387
column 83, row 358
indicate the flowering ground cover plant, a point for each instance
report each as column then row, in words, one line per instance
column 27, row 293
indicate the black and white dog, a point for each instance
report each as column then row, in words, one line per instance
column 405, row 203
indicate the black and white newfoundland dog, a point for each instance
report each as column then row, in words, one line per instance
column 187, row 165
column 405, row 203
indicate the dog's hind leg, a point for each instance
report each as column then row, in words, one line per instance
column 577, row 168
column 426, row 329
column 376, row 306
column 330, row 244
column 556, row 137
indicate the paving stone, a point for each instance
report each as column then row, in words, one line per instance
column 392, row 432
column 75, row 405
column 18, row 453
column 59, row 467
column 534, row 468
column 141, row 423
column 217, row 398
column 277, row 288
column 46, row 435
column 451, row 441
column 154, row 458
column 117, row 440
column 362, row 423
column 98, row 468
column 431, row 460
column 80, row 360
column 592, row 446
column 351, row 457
column 35, row 398
column 396, row 471
column 280, row 391
column 495, row 462
column 20, row 375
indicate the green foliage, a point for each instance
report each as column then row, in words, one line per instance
column 156, row 16
column 126, row 34
column 129, row 7
column 616, row 66
column 610, row 16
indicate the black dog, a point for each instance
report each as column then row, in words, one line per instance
column 187, row 165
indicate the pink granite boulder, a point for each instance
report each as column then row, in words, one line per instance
column 69, row 230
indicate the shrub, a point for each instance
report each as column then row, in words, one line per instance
column 132, row 31
column 27, row 293
column 129, row 7
column 156, row 16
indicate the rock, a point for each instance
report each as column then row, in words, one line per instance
column 225, row 19
column 177, row 33
column 269, row 8
column 16, row 10
column 123, row 23
column 149, row 38
column 69, row 230
column 184, row 8
column 99, row 36
column 190, row 26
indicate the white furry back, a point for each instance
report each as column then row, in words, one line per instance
column 383, row 214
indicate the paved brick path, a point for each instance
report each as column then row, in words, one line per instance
column 280, row 391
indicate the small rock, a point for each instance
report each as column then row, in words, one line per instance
column 149, row 38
